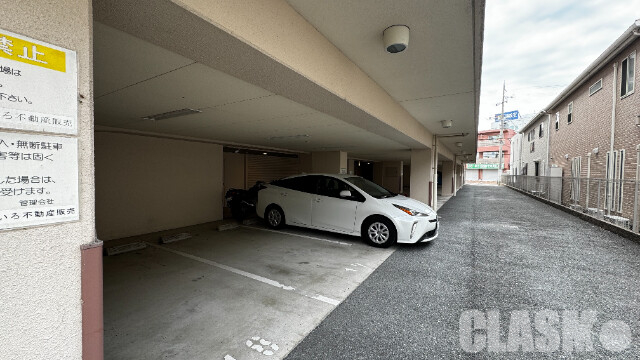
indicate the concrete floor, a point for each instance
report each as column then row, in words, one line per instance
column 442, row 199
column 502, row 252
column 219, row 294
column 215, row 294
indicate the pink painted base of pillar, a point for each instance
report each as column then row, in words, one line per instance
column 92, row 318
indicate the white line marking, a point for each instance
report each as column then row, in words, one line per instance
column 350, row 269
column 249, row 275
column 229, row 357
column 298, row 235
column 225, row 267
column 326, row 299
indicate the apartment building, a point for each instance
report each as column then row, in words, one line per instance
column 485, row 168
column 514, row 160
column 534, row 147
column 591, row 131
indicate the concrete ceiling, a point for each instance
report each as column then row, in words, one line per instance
column 134, row 79
column 433, row 80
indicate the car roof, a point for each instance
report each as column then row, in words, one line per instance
column 339, row 176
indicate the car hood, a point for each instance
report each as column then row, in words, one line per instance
column 409, row 203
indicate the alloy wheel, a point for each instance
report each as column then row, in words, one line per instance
column 378, row 233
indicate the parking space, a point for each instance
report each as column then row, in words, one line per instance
column 228, row 293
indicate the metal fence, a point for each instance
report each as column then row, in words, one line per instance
column 614, row 201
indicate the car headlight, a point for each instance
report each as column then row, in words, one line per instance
column 410, row 211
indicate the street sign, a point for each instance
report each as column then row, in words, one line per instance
column 483, row 166
column 511, row 115
column 38, row 85
column 38, row 180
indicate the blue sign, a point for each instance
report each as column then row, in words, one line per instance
column 511, row 115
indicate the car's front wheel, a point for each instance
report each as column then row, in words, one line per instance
column 275, row 217
column 379, row 232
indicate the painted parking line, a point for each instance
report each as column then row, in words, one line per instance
column 298, row 235
column 249, row 275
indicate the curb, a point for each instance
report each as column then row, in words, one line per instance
column 601, row 223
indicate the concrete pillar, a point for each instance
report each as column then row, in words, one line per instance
column 329, row 162
column 420, row 182
column 392, row 176
column 447, row 178
column 41, row 267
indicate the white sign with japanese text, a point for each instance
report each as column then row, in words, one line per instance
column 38, row 180
column 38, row 85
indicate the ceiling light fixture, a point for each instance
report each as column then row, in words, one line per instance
column 171, row 114
column 459, row 144
column 396, row 38
column 299, row 136
column 446, row 123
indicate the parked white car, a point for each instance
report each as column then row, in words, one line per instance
column 347, row 204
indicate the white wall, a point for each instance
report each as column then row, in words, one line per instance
column 40, row 299
column 234, row 171
column 516, row 156
column 328, row 162
column 540, row 152
column 146, row 184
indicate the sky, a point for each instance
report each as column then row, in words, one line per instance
column 540, row 46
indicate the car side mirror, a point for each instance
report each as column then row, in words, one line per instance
column 345, row 193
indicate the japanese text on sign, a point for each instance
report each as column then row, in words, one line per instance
column 38, row 85
column 38, row 180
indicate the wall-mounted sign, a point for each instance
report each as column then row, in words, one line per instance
column 38, row 85
column 511, row 115
column 483, row 166
column 38, row 180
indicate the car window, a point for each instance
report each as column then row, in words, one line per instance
column 300, row 183
column 329, row 186
column 370, row 187
column 294, row 183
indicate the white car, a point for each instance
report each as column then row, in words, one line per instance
column 347, row 204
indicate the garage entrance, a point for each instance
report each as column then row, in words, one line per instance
column 178, row 126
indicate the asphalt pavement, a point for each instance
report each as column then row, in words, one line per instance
column 508, row 277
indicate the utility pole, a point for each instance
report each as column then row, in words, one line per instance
column 501, row 138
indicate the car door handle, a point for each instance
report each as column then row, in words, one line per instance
column 318, row 200
column 283, row 194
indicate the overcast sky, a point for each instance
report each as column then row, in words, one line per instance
column 540, row 46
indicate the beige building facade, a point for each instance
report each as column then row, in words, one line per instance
column 179, row 101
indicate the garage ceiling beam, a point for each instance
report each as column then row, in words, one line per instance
column 182, row 31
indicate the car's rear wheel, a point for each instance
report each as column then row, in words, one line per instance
column 275, row 217
column 379, row 232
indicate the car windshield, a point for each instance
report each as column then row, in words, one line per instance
column 370, row 188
